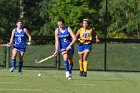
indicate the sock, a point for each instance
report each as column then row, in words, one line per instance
column 81, row 65
column 70, row 67
column 20, row 66
column 85, row 64
column 66, row 65
column 13, row 63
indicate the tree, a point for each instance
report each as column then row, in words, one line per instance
column 36, row 17
column 47, row 27
column 123, row 16
column 9, row 13
column 73, row 11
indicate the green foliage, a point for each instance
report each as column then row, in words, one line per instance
column 72, row 11
column 47, row 28
column 123, row 15
column 41, row 15
column 9, row 13
column 117, row 34
column 32, row 20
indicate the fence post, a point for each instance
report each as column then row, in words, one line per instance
column 4, row 57
column 106, row 26
column 7, row 57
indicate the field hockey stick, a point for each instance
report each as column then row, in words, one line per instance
column 47, row 58
column 84, row 40
column 7, row 45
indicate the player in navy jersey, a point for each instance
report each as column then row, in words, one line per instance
column 19, row 40
column 64, row 40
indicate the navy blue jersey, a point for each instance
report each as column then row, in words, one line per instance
column 64, row 38
column 19, row 37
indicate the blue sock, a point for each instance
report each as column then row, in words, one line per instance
column 20, row 66
column 13, row 63
column 66, row 65
column 70, row 67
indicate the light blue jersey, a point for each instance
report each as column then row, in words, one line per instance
column 19, row 40
column 64, row 40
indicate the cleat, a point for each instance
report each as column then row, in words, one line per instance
column 67, row 74
column 70, row 75
column 85, row 74
column 19, row 72
column 12, row 69
column 81, row 73
column 69, row 78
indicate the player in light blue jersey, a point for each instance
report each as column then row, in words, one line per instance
column 64, row 40
column 19, row 40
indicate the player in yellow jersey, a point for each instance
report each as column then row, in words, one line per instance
column 85, row 34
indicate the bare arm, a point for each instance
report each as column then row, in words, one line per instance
column 73, row 37
column 56, row 42
column 96, row 37
column 28, row 34
column 12, row 36
column 78, row 33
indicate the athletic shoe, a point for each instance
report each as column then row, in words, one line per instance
column 12, row 69
column 67, row 74
column 85, row 74
column 81, row 73
column 19, row 72
column 70, row 77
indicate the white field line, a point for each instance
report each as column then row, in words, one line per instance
column 70, row 91
column 21, row 89
column 84, row 84
column 16, row 83
column 55, row 90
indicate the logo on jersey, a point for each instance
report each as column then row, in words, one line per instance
column 85, row 34
column 63, row 35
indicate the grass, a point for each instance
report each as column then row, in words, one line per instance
column 53, row 81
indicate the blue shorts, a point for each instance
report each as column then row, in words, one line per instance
column 20, row 48
column 84, row 47
column 70, row 51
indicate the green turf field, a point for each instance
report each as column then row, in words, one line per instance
column 54, row 81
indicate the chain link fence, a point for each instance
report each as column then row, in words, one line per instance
column 121, row 55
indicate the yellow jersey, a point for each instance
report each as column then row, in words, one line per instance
column 86, row 35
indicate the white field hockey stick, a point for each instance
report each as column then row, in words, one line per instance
column 47, row 58
column 84, row 40
column 80, row 41
column 8, row 45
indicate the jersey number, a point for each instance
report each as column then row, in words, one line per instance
column 19, row 39
column 65, row 40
